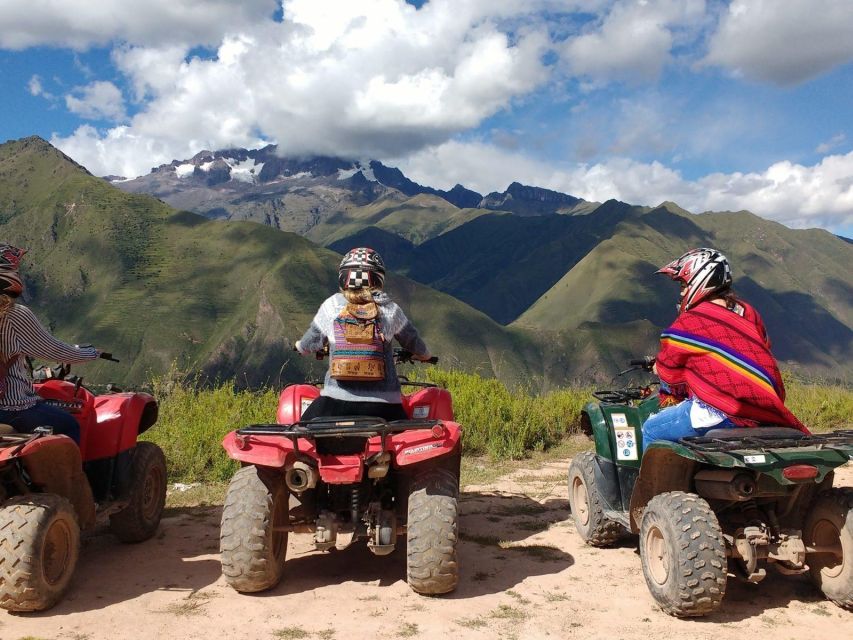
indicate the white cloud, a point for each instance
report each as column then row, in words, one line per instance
column 796, row 195
column 633, row 41
column 783, row 42
column 97, row 101
column 835, row 141
column 368, row 78
column 35, row 87
column 80, row 24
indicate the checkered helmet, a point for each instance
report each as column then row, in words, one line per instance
column 702, row 271
column 361, row 267
column 10, row 280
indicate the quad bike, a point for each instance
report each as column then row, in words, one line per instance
column 51, row 489
column 732, row 501
column 343, row 479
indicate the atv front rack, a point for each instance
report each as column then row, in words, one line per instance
column 841, row 440
column 339, row 426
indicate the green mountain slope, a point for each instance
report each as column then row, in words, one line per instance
column 157, row 286
column 415, row 219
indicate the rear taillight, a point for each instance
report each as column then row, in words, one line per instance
column 438, row 431
column 800, row 472
column 242, row 442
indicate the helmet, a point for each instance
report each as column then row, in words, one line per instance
column 10, row 280
column 702, row 272
column 361, row 267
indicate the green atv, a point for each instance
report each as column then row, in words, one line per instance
column 732, row 501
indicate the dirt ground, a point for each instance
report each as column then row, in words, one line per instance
column 525, row 574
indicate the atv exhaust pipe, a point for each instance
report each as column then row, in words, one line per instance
column 725, row 484
column 300, row 477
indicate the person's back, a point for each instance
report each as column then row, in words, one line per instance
column 715, row 364
column 359, row 324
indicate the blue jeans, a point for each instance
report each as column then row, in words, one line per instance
column 674, row 423
column 42, row 415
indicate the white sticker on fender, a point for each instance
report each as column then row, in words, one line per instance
column 755, row 459
column 306, row 402
column 626, row 443
column 619, row 420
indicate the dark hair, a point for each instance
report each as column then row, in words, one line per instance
column 728, row 294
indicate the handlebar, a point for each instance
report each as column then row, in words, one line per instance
column 401, row 356
column 646, row 363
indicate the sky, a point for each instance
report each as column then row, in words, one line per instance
column 713, row 104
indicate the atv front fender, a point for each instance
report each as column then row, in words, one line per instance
column 594, row 425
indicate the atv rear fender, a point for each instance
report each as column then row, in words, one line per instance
column 54, row 465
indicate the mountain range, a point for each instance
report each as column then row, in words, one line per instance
column 529, row 285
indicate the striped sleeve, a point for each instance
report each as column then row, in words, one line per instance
column 35, row 341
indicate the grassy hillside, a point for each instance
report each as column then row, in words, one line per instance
column 157, row 286
column 416, row 219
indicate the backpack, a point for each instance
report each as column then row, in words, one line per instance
column 359, row 351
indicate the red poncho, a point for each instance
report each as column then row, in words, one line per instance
column 724, row 359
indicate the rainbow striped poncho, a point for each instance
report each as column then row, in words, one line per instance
column 724, row 359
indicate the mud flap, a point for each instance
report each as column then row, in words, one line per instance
column 607, row 483
column 58, row 469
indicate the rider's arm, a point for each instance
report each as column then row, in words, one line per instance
column 408, row 337
column 318, row 332
column 37, row 342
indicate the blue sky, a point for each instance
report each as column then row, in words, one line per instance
column 715, row 105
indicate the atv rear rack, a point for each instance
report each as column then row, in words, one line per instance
column 339, row 426
column 841, row 440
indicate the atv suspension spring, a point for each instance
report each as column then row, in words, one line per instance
column 355, row 500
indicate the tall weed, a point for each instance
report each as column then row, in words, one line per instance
column 499, row 422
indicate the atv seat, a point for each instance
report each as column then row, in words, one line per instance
column 6, row 429
column 754, row 432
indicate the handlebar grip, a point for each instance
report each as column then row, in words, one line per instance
column 107, row 356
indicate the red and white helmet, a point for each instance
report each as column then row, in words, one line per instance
column 10, row 280
column 361, row 267
column 702, row 271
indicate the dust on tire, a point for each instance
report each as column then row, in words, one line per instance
column 432, row 567
column 252, row 553
column 140, row 518
column 596, row 529
column 39, row 545
column 689, row 577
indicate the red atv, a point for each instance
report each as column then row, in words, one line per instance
column 50, row 489
column 343, row 479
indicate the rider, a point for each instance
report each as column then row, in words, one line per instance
column 714, row 362
column 22, row 336
column 361, row 279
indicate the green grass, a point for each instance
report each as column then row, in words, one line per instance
column 500, row 425
column 821, row 407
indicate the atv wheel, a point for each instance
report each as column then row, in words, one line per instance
column 588, row 506
column 431, row 565
column 830, row 524
column 140, row 518
column 39, row 547
column 683, row 554
column 253, row 551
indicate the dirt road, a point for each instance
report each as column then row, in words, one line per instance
column 525, row 575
